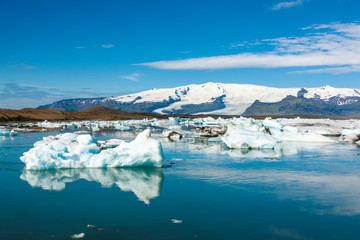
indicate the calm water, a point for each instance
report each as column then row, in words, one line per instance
column 299, row 191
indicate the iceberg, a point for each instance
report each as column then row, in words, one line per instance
column 350, row 135
column 145, row 183
column 238, row 137
column 172, row 135
column 7, row 133
column 211, row 131
column 71, row 150
column 288, row 133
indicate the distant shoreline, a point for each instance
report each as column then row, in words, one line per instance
column 107, row 114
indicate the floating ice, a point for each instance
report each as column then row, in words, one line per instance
column 211, row 131
column 351, row 135
column 176, row 221
column 71, row 150
column 171, row 135
column 7, row 133
column 121, row 127
column 79, row 235
column 238, row 137
column 47, row 124
column 145, row 183
column 288, row 133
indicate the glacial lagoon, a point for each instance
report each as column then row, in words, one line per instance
column 203, row 191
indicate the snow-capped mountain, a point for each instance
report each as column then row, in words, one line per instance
column 211, row 98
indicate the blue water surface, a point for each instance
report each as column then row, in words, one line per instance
column 300, row 191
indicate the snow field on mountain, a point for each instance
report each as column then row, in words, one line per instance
column 236, row 97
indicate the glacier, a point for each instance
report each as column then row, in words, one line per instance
column 211, row 98
column 71, row 150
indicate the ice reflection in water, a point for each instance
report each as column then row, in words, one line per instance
column 325, row 175
column 145, row 183
column 331, row 193
column 210, row 147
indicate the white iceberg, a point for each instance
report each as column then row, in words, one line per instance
column 350, row 135
column 72, row 150
column 289, row 133
column 6, row 133
column 238, row 137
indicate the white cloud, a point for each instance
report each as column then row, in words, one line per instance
column 335, row 70
column 22, row 66
column 334, row 45
column 289, row 4
column 80, row 47
column 107, row 45
column 133, row 77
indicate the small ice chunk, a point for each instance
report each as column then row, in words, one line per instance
column 121, row 127
column 176, row 221
column 90, row 226
column 350, row 135
column 211, row 131
column 79, row 235
column 172, row 135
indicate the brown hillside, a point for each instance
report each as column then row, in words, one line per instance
column 95, row 113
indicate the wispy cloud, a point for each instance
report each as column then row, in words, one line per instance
column 334, row 70
column 80, row 47
column 334, row 45
column 22, row 66
column 289, row 4
column 107, row 45
column 133, row 77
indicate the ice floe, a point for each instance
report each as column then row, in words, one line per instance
column 71, row 150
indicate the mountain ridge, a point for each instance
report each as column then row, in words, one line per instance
column 217, row 98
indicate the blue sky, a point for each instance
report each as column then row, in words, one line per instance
column 50, row 50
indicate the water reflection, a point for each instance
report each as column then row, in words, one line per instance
column 329, row 192
column 209, row 147
column 283, row 149
column 145, row 183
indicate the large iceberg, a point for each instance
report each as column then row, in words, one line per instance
column 145, row 183
column 71, row 150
